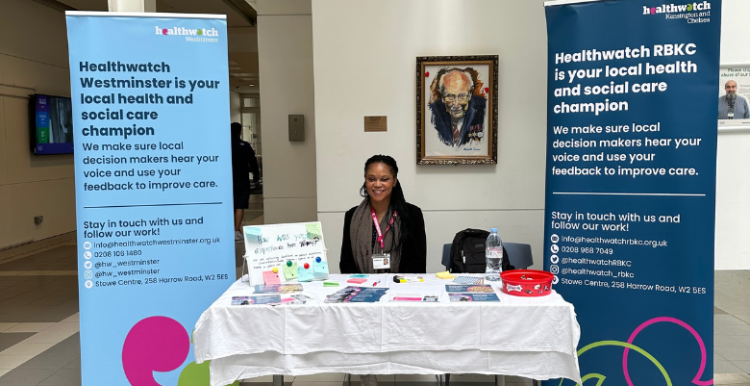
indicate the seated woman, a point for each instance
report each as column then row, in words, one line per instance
column 384, row 233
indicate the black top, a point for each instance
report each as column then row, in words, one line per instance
column 243, row 162
column 413, row 249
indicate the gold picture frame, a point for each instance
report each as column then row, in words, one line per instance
column 457, row 110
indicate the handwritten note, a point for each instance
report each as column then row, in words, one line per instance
column 305, row 274
column 253, row 235
column 313, row 230
column 320, row 270
column 290, row 271
column 271, row 277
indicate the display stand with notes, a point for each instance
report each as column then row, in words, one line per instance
column 287, row 252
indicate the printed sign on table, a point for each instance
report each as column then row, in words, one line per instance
column 286, row 247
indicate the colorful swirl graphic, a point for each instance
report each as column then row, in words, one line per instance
column 162, row 344
column 630, row 346
column 697, row 378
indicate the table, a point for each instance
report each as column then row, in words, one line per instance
column 529, row 337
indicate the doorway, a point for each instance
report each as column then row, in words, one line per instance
column 251, row 132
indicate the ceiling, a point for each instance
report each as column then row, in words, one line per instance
column 242, row 35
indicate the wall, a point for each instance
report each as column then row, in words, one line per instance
column 365, row 54
column 733, row 170
column 235, row 107
column 286, row 87
column 32, row 185
column 375, row 43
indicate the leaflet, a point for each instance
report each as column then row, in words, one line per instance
column 356, row 295
column 469, row 288
column 473, row 297
column 260, row 299
column 278, row 288
column 415, row 298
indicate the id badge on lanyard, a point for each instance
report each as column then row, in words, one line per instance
column 382, row 260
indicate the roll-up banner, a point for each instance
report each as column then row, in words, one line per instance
column 153, row 189
column 630, row 186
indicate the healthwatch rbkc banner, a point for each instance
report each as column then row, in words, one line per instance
column 153, row 190
column 630, row 188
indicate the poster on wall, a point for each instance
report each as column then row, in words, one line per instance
column 630, row 185
column 457, row 118
column 150, row 108
column 734, row 91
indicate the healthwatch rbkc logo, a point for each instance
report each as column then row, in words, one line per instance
column 182, row 31
column 677, row 8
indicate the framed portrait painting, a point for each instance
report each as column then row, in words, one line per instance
column 457, row 110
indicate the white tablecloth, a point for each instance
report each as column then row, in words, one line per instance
column 529, row 337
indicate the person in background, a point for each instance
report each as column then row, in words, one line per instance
column 399, row 230
column 731, row 105
column 243, row 162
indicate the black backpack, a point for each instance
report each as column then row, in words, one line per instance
column 468, row 255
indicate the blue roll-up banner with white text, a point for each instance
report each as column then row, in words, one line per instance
column 153, row 189
column 630, row 186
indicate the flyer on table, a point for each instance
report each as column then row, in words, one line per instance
column 630, row 188
column 153, row 188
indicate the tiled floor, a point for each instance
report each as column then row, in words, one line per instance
column 39, row 341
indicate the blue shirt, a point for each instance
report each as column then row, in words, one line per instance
column 741, row 109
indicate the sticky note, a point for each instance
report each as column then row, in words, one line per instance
column 330, row 284
column 356, row 281
column 253, row 235
column 290, row 270
column 313, row 231
column 304, row 274
column 320, row 270
column 270, row 277
column 445, row 275
column 359, row 275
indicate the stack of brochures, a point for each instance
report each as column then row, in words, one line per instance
column 471, row 293
column 278, row 288
column 356, row 295
column 254, row 300
column 415, row 298
column 273, row 294
column 468, row 280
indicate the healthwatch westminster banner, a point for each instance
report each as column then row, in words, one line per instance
column 153, row 190
column 631, row 177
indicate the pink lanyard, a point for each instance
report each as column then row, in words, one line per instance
column 377, row 226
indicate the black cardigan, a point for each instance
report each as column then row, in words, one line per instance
column 413, row 249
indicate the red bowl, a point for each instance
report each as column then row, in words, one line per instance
column 527, row 282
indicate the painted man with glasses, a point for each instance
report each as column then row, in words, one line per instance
column 458, row 104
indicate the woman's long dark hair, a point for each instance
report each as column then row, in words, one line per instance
column 398, row 202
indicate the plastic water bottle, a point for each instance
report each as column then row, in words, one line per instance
column 493, row 251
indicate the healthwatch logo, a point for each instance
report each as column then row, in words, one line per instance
column 677, row 8
column 182, row 31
